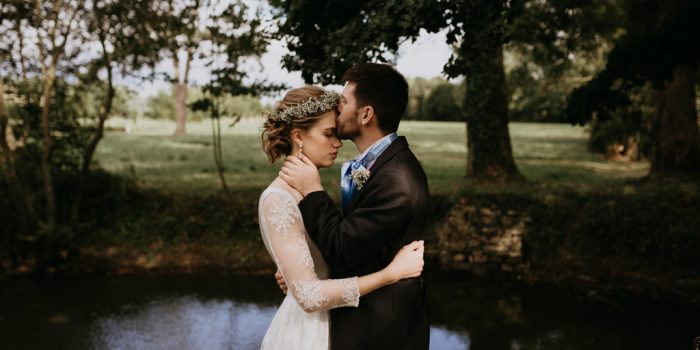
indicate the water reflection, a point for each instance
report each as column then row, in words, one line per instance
column 218, row 311
column 189, row 323
column 441, row 338
column 184, row 323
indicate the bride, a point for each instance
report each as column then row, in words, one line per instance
column 303, row 124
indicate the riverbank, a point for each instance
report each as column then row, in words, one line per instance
column 634, row 241
column 580, row 222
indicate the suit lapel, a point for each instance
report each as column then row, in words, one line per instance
column 399, row 144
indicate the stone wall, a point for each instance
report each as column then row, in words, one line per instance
column 482, row 239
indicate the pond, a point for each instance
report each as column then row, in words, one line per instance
column 225, row 311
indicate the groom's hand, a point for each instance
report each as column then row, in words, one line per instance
column 301, row 174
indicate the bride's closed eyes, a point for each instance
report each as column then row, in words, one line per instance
column 331, row 132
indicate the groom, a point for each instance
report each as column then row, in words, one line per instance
column 384, row 200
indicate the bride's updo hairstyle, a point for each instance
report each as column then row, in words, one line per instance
column 300, row 109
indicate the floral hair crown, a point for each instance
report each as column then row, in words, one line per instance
column 329, row 100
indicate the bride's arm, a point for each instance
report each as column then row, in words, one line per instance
column 283, row 231
column 407, row 263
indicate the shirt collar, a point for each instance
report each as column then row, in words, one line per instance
column 372, row 152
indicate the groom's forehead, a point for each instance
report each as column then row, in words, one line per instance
column 347, row 90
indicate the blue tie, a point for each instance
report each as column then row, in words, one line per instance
column 347, row 187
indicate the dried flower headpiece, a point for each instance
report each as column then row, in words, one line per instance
column 329, row 100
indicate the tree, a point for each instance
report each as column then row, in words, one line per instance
column 441, row 104
column 419, row 90
column 61, row 92
column 56, row 24
column 179, row 31
column 18, row 193
column 187, row 28
column 553, row 47
column 326, row 38
column 231, row 39
column 13, row 13
column 160, row 106
column 480, row 59
column 121, row 28
column 657, row 50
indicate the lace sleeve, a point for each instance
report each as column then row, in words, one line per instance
column 283, row 230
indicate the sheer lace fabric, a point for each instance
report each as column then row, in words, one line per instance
column 303, row 317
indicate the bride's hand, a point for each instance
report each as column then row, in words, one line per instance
column 407, row 263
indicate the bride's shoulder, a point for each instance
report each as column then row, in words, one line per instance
column 274, row 194
column 280, row 187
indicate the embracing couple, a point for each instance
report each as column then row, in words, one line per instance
column 363, row 263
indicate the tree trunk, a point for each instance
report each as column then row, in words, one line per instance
column 106, row 110
column 180, row 109
column 48, row 77
column 50, row 201
column 675, row 137
column 181, row 94
column 216, row 139
column 490, row 155
column 17, row 191
column 20, row 35
column 97, row 136
column 12, row 142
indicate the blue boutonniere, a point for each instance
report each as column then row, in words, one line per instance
column 359, row 177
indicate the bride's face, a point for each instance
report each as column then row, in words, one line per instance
column 321, row 142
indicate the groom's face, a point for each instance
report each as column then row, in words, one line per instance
column 348, row 114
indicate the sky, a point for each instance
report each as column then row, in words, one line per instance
column 423, row 58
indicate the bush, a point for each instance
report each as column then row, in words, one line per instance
column 442, row 104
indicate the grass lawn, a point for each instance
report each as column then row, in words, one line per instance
column 552, row 154
column 587, row 213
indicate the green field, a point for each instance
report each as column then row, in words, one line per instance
column 587, row 214
column 553, row 154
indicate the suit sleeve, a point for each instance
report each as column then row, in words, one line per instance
column 379, row 218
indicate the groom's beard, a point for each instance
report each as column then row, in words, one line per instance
column 349, row 129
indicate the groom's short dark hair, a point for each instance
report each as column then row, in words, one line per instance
column 382, row 87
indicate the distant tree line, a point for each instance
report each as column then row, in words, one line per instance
column 434, row 99
column 160, row 105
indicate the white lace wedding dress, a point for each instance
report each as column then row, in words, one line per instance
column 301, row 322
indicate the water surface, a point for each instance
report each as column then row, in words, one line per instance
column 223, row 311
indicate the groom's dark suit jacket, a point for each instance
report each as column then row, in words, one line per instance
column 389, row 212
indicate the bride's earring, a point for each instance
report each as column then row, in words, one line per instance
column 301, row 151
